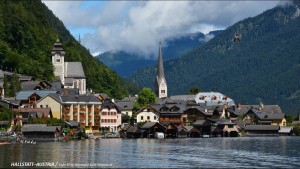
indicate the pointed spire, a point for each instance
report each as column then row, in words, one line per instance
column 160, row 66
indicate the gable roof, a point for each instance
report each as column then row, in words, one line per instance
column 39, row 128
column 125, row 105
column 261, row 127
column 73, row 98
column 23, row 95
column 74, row 69
column 267, row 114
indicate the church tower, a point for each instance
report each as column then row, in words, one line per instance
column 58, row 60
column 161, row 83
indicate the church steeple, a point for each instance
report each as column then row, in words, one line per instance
column 161, row 83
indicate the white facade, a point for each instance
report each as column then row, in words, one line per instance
column 147, row 114
column 162, row 89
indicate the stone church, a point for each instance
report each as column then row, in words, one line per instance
column 71, row 74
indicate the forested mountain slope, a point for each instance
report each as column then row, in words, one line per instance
column 28, row 30
column 263, row 66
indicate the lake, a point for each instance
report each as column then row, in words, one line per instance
column 246, row 152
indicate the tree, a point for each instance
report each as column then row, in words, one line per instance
column 146, row 96
column 125, row 118
column 6, row 86
column 194, row 90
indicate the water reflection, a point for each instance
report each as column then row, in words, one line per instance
column 282, row 152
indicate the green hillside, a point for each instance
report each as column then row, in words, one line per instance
column 263, row 66
column 28, row 30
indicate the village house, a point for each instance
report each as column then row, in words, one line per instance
column 265, row 115
column 29, row 99
column 84, row 109
column 126, row 105
column 23, row 115
column 147, row 113
column 111, row 118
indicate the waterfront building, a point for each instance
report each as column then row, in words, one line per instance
column 254, row 130
column 84, row 109
column 41, row 132
column 111, row 118
column 266, row 115
column 161, row 82
column 147, row 113
column 150, row 128
column 71, row 74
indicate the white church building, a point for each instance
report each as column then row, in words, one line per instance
column 71, row 74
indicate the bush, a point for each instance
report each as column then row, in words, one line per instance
column 297, row 130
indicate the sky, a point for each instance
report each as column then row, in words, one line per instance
column 138, row 26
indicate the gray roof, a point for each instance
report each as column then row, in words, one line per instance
column 286, row 129
column 268, row 114
column 160, row 66
column 125, row 105
column 183, row 97
column 220, row 121
column 199, row 122
column 295, row 122
column 243, row 109
column 56, row 85
column 39, row 128
column 23, row 95
column 29, row 85
column 73, row 98
column 109, row 104
column 149, row 125
column 72, row 123
column 261, row 127
column 74, row 69
column 133, row 129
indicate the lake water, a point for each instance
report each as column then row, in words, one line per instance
column 246, row 152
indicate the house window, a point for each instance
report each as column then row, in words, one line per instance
column 154, row 117
column 148, row 117
column 41, row 106
column 148, row 110
column 58, row 60
column 46, row 106
column 142, row 117
column 127, row 113
column 163, row 91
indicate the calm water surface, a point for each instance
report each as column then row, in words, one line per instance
column 246, row 152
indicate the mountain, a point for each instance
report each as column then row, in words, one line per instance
column 125, row 63
column 28, row 30
column 263, row 66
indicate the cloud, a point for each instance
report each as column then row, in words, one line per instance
column 137, row 27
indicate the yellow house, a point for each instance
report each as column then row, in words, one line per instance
column 84, row 109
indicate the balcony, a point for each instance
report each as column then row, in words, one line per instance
column 96, row 110
column 89, row 109
column 66, row 117
column 90, row 124
column 96, row 124
column 75, row 109
column 82, row 117
column 66, row 110
column 96, row 117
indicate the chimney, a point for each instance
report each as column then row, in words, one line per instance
column 238, row 105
